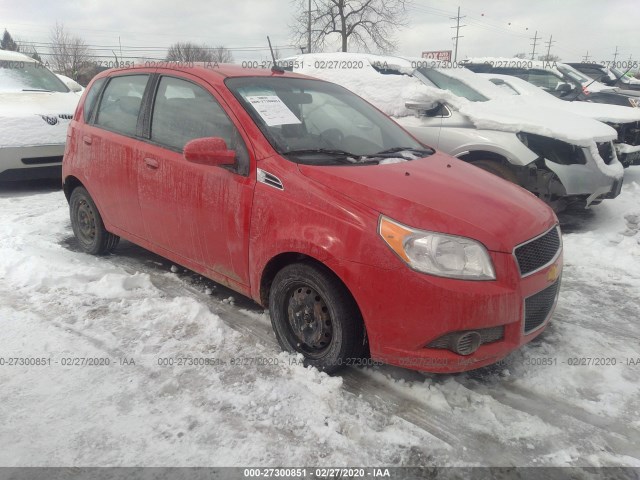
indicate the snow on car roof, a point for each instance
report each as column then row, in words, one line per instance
column 390, row 92
column 600, row 111
column 8, row 55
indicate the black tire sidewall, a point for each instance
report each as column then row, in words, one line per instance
column 341, row 311
column 97, row 246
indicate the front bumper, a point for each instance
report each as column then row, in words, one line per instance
column 31, row 162
column 405, row 311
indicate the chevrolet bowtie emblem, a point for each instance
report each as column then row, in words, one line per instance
column 552, row 274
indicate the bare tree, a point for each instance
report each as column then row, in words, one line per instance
column 356, row 23
column 222, row 55
column 189, row 52
column 520, row 55
column 549, row 58
column 69, row 54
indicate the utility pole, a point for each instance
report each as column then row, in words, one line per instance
column 309, row 29
column 585, row 59
column 457, row 27
column 615, row 55
column 549, row 43
column 535, row 41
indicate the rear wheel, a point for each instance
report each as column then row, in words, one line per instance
column 313, row 314
column 497, row 169
column 88, row 226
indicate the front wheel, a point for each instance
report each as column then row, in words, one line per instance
column 88, row 226
column 313, row 314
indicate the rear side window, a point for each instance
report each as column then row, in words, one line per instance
column 121, row 102
column 92, row 98
column 184, row 111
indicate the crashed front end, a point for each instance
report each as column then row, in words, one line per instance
column 628, row 143
column 565, row 174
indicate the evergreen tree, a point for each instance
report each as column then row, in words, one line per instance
column 7, row 42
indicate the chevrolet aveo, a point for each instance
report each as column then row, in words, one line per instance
column 301, row 195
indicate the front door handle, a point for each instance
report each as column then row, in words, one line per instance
column 151, row 163
column 87, row 139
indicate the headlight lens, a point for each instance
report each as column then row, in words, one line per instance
column 437, row 253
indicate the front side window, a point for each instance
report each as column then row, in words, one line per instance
column 120, row 105
column 320, row 123
column 544, row 79
column 184, row 111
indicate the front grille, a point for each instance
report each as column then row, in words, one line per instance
column 539, row 252
column 538, row 307
column 606, row 152
column 65, row 116
column 487, row 335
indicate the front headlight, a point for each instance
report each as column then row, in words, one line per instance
column 437, row 253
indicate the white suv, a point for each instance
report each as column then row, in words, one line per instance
column 35, row 110
column 561, row 157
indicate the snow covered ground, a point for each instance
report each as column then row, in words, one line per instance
column 254, row 405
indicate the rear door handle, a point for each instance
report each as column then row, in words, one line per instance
column 151, row 163
column 87, row 139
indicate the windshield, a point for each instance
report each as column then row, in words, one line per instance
column 444, row 82
column 17, row 75
column 575, row 74
column 320, row 123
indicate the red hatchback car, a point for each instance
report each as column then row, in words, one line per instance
column 306, row 198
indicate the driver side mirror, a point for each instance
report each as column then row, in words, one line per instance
column 209, row 151
column 430, row 109
column 564, row 88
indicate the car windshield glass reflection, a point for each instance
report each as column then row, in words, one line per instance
column 315, row 122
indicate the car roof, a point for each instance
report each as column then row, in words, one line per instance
column 15, row 56
column 214, row 72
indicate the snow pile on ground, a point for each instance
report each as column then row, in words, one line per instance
column 571, row 397
column 65, row 306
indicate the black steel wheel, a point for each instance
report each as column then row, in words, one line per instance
column 88, row 226
column 313, row 314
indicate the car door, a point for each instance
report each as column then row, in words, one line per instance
column 197, row 214
column 110, row 147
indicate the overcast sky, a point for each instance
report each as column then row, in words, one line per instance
column 494, row 27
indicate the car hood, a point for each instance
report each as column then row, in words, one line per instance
column 442, row 194
column 515, row 114
column 35, row 118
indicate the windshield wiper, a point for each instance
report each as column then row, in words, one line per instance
column 36, row 90
column 341, row 155
column 390, row 151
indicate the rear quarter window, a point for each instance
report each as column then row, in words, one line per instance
column 120, row 104
column 92, row 98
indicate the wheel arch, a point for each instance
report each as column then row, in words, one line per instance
column 70, row 184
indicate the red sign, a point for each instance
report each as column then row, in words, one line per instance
column 442, row 55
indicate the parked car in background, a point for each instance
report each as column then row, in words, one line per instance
column 564, row 83
column 70, row 83
column 564, row 159
column 625, row 120
column 292, row 190
column 35, row 110
column 611, row 76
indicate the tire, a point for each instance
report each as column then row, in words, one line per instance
column 498, row 169
column 312, row 313
column 88, row 226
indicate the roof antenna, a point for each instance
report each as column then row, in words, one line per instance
column 275, row 68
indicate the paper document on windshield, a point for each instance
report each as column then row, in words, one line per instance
column 273, row 110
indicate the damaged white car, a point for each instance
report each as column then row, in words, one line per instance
column 563, row 158
column 625, row 120
column 35, row 110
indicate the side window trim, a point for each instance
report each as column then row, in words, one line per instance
column 96, row 109
column 243, row 170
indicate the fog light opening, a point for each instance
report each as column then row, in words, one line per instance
column 466, row 343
